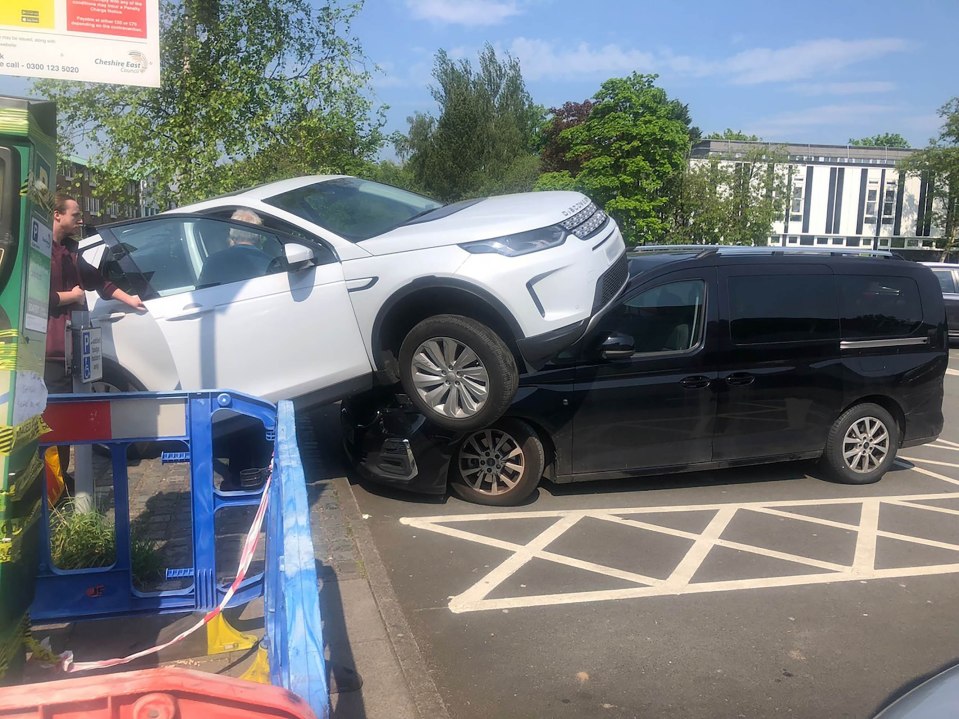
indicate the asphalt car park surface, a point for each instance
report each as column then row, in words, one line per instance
column 756, row 592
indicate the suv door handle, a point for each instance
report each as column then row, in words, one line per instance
column 112, row 317
column 696, row 381
column 191, row 311
column 739, row 379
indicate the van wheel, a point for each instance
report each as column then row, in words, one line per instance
column 457, row 372
column 862, row 444
column 500, row 465
column 114, row 381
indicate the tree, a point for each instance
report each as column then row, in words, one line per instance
column 734, row 135
column 732, row 199
column 939, row 163
column 886, row 139
column 553, row 149
column 484, row 138
column 631, row 152
column 250, row 90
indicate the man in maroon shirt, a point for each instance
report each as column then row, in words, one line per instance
column 70, row 277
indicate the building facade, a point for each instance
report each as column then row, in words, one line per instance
column 76, row 178
column 842, row 195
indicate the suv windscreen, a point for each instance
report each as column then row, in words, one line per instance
column 878, row 307
column 354, row 209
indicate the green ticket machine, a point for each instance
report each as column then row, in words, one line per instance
column 27, row 189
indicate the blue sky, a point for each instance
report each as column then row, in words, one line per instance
column 811, row 71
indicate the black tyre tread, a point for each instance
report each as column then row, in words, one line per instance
column 832, row 454
column 491, row 349
column 535, row 455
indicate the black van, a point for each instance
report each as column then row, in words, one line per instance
column 714, row 357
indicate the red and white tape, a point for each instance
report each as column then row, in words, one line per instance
column 246, row 557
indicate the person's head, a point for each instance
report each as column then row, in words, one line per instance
column 67, row 218
column 245, row 237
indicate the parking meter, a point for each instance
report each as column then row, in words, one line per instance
column 27, row 190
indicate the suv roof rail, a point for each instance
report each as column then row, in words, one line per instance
column 706, row 250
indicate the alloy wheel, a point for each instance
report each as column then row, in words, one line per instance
column 865, row 445
column 450, row 377
column 491, row 461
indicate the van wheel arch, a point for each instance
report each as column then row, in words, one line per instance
column 888, row 404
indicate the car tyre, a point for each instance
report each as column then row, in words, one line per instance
column 861, row 445
column 500, row 465
column 116, row 380
column 457, row 372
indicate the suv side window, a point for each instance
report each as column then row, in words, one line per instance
column 782, row 308
column 667, row 318
column 876, row 307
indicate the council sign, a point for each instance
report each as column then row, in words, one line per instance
column 114, row 41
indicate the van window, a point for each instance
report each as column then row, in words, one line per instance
column 946, row 281
column 667, row 318
column 782, row 308
column 874, row 307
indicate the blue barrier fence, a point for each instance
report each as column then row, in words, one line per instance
column 293, row 626
column 294, row 630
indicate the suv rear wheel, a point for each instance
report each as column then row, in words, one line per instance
column 862, row 444
column 500, row 465
column 457, row 372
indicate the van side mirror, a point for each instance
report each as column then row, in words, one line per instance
column 298, row 256
column 616, row 346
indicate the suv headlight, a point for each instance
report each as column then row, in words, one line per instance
column 520, row 243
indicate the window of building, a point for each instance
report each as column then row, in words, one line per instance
column 878, row 307
column 796, row 198
column 782, row 308
column 889, row 202
column 872, row 200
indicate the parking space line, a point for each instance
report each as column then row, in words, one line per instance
column 682, row 578
column 922, row 470
column 952, row 372
column 946, row 441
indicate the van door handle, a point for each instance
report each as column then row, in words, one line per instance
column 740, row 379
column 696, row 381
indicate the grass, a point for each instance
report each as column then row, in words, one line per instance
column 80, row 540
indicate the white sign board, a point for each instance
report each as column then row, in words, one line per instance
column 115, row 41
column 91, row 355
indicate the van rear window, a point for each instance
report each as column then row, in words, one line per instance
column 782, row 308
column 875, row 307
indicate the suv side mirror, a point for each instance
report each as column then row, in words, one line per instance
column 298, row 256
column 616, row 346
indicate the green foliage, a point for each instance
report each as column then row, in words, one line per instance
column 80, row 540
column 251, row 90
column 886, row 139
column 939, row 162
column 392, row 173
column 735, row 135
column 632, row 153
column 732, row 200
column 485, row 135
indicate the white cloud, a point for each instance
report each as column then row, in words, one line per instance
column 805, row 61
column 844, row 88
column 463, row 12
column 540, row 59
column 801, row 61
column 786, row 125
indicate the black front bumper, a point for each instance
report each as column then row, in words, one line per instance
column 392, row 444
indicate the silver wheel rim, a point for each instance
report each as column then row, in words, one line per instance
column 491, row 461
column 865, row 445
column 102, row 386
column 450, row 378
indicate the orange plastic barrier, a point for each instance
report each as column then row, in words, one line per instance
column 163, row 693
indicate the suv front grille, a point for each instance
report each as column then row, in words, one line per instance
column 611, row 282
column 586, row 223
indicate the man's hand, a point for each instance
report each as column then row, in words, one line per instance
column 133, row 301
column 74, row 296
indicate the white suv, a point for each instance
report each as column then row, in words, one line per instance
column 342, row 280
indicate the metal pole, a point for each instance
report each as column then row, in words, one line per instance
column 82, row 453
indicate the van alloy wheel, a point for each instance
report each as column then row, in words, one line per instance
column 450, row 377
column 491, row 461
column 865, row 445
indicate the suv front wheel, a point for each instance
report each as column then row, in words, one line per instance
column 457, row 372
